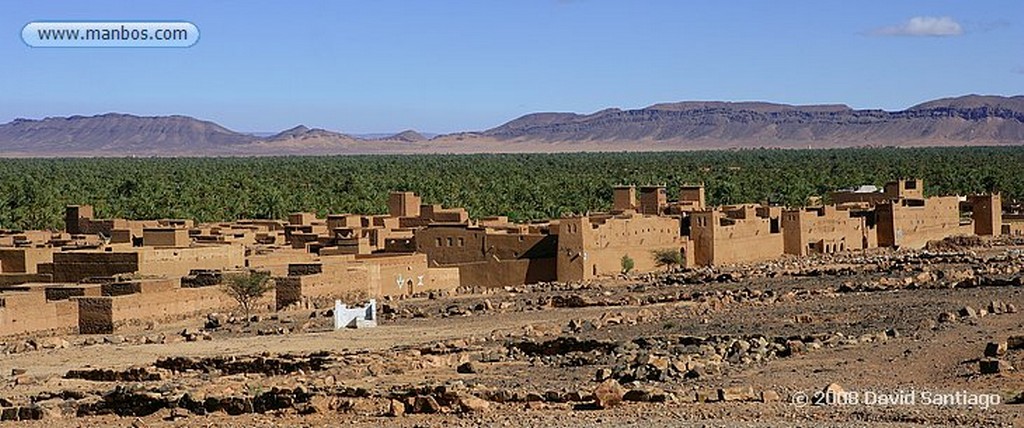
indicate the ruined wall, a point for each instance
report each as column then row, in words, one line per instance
column 501, row 273
column 740, row 237
column 367, row 275
column 24, row 260
column 276, row 262
column 987, row 213
column 623, row 198
column 589, row 247
column 404, row 204
column 823, row 230
column 911, row 223
column 177, row 262
column 29, row 311
column 76, row 266
column 165, row 237
column 171, row 262
column 334, row 279
column 104, row 315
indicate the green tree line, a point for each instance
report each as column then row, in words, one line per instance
column 33, row 192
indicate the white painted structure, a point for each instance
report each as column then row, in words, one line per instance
column 358, row 317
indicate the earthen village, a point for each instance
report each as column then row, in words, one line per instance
column 568, row 295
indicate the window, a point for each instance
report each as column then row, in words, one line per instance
column 449, row 241
column 462, row 242
column 438, row 242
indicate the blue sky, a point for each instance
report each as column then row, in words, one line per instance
column 443, row 66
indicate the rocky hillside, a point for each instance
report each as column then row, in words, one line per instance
column 953, row 121
column 112, row 133
column 968, row 120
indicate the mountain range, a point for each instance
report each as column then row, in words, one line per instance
column 960, row 121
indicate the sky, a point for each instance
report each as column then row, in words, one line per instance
column 444, row 66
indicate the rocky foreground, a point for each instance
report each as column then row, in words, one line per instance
column 881, row 338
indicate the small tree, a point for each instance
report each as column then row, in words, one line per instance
column 247, row 289
column 627, row 263
column 668, row 258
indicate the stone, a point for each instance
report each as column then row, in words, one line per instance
column 425, row 404
column 176, row 413
column 833, row 394
column 609, row 393
column 468, row 368
column 603, row 374
column 947, row 317
column 803, row 319
column 995, row 349
column 472, row 404
column 56, row 408
column 968, row 312
column 396, row 408
column 770, row 396
column 994, row 366
column 706, row 395
column 638, row 395
column 737, row 393
column 996, row 307
column 51, row 343
column 1014, row 343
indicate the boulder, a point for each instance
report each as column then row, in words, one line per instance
column 833, row 394
column 994, row 366
column 472, row 404
column 968, row 312
column 608, row 393
column 1014, row 343
column 396, row 408
column 770, row 396
column 737, row 393
column 425, row 404
column 995, row 349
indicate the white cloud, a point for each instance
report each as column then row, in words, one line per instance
column 923, row 26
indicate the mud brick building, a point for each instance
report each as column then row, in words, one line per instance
column 494, row 255
column 101, row 274
column 593, row 246
column 321, row 281
column 736, row 234
column 826, row 229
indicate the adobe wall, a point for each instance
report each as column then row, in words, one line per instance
column 501, row 273
column 165, row 237
column 404, row 204
column 276, row 262
column 337, row 282
column 392, row 275
column 24, row 260
column 456, row 244
column 177, row 262
column 9, row 279
column 911, row 223
column 371, row 275
column 104, row 315
column 76, row 266
column 823, row 230
column 740, row 237
column 987, row 213
column 1013, row 226
column 589, row 247
column 29, row 311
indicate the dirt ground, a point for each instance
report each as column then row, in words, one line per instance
column 901, row 336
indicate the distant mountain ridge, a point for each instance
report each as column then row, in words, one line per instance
column 970, row 119
column 967, row 120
